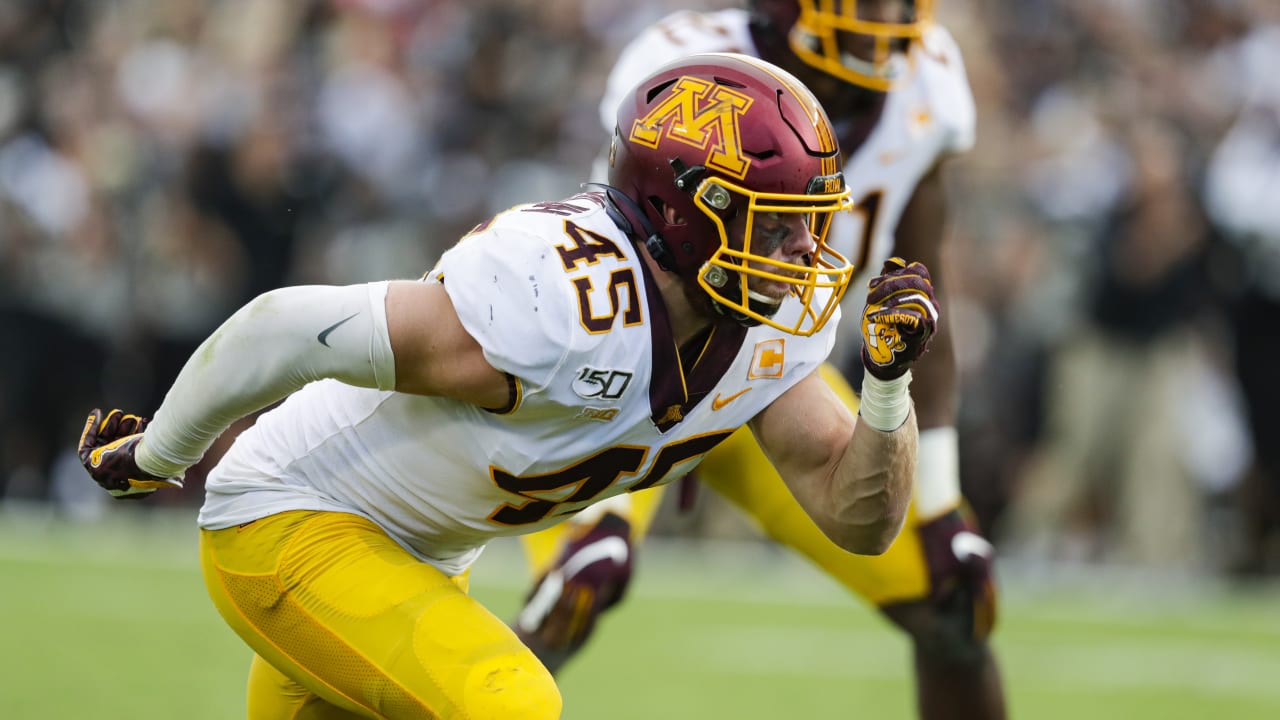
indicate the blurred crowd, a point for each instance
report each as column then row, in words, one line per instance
column 1115, row 253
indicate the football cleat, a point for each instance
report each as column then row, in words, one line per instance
column 589, row 577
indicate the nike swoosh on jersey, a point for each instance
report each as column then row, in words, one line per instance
column 324, row 334
column 718, row 402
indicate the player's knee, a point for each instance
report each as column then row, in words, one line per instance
column 942, row 633
column 511, row 686
column 951, row 646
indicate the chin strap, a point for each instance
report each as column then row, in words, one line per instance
column 617, row 200
column 647, row 236
column 759, row 306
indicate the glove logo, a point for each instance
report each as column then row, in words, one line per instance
column 106, row 450
column 883, row 340
column 899, row 318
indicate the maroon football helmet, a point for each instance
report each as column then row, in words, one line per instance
column 723, row 139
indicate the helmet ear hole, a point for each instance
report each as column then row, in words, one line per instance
column 668, row 213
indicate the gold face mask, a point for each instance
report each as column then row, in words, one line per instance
column 735, row 273
column 862, row 42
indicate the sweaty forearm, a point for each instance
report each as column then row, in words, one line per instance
column 268, row 349
column 871, row 487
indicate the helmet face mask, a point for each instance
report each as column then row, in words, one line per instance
column 735, row 168
column 860, row 41
column 751, row 273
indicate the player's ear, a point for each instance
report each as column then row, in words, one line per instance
column 672, row 216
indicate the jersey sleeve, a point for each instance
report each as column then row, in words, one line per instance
column 950, row 97
column 509, row 296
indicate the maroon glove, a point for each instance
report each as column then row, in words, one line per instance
column 589, row 577
column 106, row 451
column 960, row 571
column 900, row 317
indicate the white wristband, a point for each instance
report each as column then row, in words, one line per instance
column 885, row 404
column 937, row 472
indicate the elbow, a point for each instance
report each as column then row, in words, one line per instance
column 873, row 538
column 879, row 538
column 870, row 523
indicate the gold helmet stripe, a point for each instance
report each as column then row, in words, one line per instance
column 828, row 144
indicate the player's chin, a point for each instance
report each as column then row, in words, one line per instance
column 770, row 291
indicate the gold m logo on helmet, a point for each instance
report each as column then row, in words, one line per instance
column 703, row 115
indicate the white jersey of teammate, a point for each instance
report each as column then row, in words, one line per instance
column 559, row 299
column 928, row 115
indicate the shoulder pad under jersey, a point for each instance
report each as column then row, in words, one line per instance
column 508, row 289
column 942, row 79
column 681, row 33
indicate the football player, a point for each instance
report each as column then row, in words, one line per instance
column 894, row 85
column 561, row 353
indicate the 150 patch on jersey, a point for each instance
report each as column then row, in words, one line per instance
column 604, row 384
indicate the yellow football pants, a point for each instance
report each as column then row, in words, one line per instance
column 738, row 469
column 347, row 624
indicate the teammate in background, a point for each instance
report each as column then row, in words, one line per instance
column 559, row 354
column 894, row 86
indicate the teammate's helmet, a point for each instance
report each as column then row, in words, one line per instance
column 860, row 41
column 721, row 138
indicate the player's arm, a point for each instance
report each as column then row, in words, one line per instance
column 278, row 343
column 852, row 479
column 435, row 355
column 855, row 478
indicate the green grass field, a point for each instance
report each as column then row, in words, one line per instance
column 108, row 620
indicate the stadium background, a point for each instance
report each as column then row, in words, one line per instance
column 163, row 161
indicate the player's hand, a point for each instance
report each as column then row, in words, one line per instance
column 106, row 451
column 900, row 317
column 961, row 575
column 589, row 577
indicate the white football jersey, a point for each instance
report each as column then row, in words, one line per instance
column 559, row 298
column 928, row 115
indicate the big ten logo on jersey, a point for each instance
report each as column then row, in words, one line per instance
column 768, row 360
column 599, row 414
column 694, row 112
